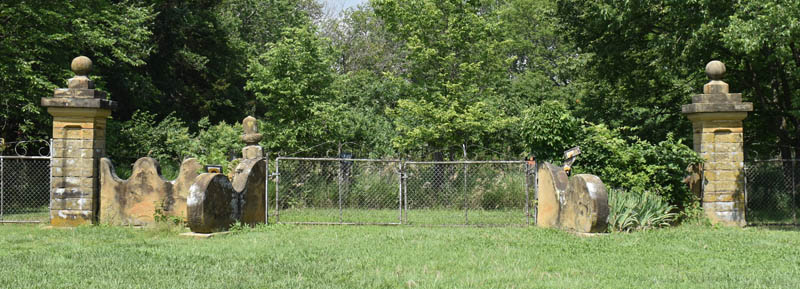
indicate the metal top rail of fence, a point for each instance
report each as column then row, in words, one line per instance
column 38, row 149
column 392, row 192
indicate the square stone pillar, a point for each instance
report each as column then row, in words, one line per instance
column 79, row 125
column 716, row 117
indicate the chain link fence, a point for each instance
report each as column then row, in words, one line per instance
column 25, row 182
column 368, row 191
column 467, row 193
column 335, row 190
column 771, row 191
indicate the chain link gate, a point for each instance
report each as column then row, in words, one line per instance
column 771, row 189
column 482, row 193
column 25, row 182
column 337, row 191
column 369, row 191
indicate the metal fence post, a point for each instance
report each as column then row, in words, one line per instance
column 466, row 197
column 526, row 175
column 2, row 191
column 400, row 191
column 339, row 181
column 746, row 199
column 794, row 192
column 266, row 189
column 277, row 189
column 51, row 152
column 405, row 192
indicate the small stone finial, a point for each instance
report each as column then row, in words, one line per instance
column 715, row 70
column 250, row 127
column 81, row 65
column 251, row 137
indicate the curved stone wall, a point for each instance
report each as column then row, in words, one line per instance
column 134, row 201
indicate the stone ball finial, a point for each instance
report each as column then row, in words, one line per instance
column 715, row 70
column 81, row 65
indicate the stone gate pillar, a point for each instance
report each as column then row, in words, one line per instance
column 716, row 117
column 79, row 125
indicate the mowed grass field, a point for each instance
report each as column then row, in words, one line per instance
column 423, row 217
column 297, row 256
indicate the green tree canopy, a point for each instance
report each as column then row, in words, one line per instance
column 38, row 39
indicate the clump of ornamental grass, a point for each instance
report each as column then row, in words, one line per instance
column 635, row 211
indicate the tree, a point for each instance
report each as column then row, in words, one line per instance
column 361, row 42
column 647, row 58
column 194, row 69
column 455, row 59
column 763, row 38
column 288, row 80
column 38, row 39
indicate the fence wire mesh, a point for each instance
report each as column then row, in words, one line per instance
column 332, row 190
column 25, row 181
column 466, row 193
column 771, row 190
column 365, row 191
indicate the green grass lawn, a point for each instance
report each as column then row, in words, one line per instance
column 38, row 214
column 414, row 216
column 287, row 256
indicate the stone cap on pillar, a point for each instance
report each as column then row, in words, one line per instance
column 715, row 97
column 80, row 92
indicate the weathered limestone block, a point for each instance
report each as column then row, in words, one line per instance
column 134, row 201
column 79, row 120
column 585, row 205
column 215, row 202
column 213, row 205
column 578, row 203
column 250, row 180
column 716, row 117
column 553, row 183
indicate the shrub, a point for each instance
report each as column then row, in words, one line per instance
column 170, row 141
column 638, row 165
column 633, row 211
column 549, row 128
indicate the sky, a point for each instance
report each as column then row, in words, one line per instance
column 340, row 5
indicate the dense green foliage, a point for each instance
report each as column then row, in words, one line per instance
column 648, row 56
column 38, row 39
column 280, row 256
column 415, row 79
column 170, row 141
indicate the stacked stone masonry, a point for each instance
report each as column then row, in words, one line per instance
column 716, row 119
column 79, row 122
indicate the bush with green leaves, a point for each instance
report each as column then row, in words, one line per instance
column 634, row 211
column 550, row 128
column 170, row 141
column 637, row 165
